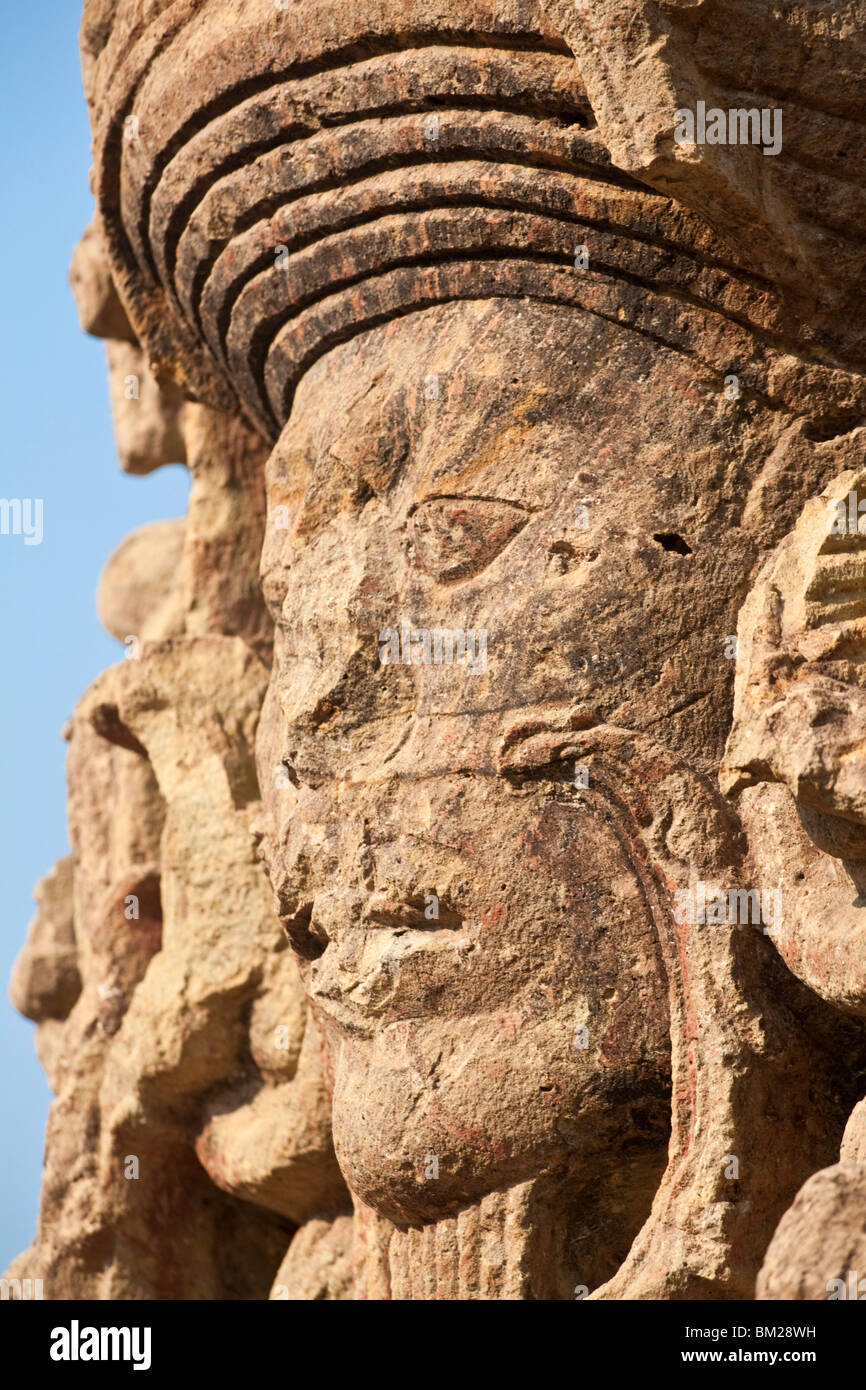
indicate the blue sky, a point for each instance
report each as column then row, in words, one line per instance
column 56, row 445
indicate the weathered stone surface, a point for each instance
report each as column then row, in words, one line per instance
column 318, row 1264
column 139, row 592
column 644, row 61
column 419, row 782
column 147, row 418
column 45, row 982
column 504, row 411
column 819, row 1249
column 99, row 308
column 798, row 715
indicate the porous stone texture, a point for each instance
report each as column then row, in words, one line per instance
column 819, row 1249
column 466, row 892
column 138, row 591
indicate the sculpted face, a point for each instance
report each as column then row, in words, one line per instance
column 544, row 389
column 461, row 489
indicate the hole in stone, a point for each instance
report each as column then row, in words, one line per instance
column 308, row 944
column 669, row 540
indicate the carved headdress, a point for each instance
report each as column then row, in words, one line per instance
column 276, row 177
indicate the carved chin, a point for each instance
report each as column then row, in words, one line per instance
column 417, row 1144
column 397, row 1160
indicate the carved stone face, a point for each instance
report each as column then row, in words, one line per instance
column 474, row 856
column 489, row 468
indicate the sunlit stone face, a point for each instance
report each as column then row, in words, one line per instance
column 490, row 468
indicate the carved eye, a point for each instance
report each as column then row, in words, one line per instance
column 457, row 537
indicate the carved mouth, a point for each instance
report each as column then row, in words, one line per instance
column 427, row 912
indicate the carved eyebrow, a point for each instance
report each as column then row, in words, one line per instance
column 473, row 497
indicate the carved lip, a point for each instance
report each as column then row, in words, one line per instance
column 387, row 910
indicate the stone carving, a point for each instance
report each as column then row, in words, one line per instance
column 516, row 427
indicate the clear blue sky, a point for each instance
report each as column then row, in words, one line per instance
column 56, row 444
